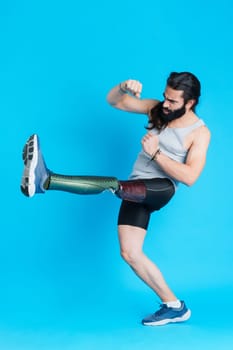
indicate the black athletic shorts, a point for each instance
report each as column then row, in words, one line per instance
column 158, row 193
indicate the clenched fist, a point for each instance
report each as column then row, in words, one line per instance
column 134, row 87
column 150, row 143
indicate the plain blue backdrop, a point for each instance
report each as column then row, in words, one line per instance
column 63, row 284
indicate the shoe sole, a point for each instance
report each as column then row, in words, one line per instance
column 30, row 158
column 183, row 318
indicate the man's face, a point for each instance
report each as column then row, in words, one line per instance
column 173, row 106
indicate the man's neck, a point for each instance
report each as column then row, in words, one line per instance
column 187, row 119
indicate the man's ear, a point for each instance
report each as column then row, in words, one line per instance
column 190, row 103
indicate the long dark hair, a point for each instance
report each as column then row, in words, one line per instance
column 191, row 87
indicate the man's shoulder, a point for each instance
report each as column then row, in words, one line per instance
column 203, row 127
column 202, row 133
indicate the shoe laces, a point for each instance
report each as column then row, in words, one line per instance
column 163, row 307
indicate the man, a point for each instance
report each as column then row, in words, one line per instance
column 173, row 151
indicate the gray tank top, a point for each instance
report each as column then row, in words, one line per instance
column 171, row 143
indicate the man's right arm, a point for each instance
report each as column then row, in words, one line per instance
column 126, row 96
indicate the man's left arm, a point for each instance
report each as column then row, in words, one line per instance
column 188, row 172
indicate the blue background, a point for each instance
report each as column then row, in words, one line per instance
column 63, row 284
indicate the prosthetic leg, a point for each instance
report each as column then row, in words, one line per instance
column 37, row 178
column 129, row 190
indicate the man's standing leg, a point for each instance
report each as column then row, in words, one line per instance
column 131, row 244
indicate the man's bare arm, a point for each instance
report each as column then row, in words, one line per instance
column 126, row 96
column 189, row 172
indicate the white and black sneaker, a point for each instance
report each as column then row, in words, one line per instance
column 35, row 171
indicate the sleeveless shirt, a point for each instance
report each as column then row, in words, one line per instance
column 171, row 143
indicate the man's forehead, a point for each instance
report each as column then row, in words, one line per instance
column 173, row 94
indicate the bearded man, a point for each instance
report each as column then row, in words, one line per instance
column 173, row 151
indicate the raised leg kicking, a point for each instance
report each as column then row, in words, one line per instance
column 140, row 199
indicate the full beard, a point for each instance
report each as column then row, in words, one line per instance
column 171, row 115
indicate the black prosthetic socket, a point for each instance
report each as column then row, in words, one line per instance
column 133, row 191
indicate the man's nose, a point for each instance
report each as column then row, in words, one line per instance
column 165, row 104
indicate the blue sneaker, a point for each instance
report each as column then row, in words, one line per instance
column 167, row 315
column 35, row 171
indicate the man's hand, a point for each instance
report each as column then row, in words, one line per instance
column 134, row 87
column 150, row 143
column 127, row 97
